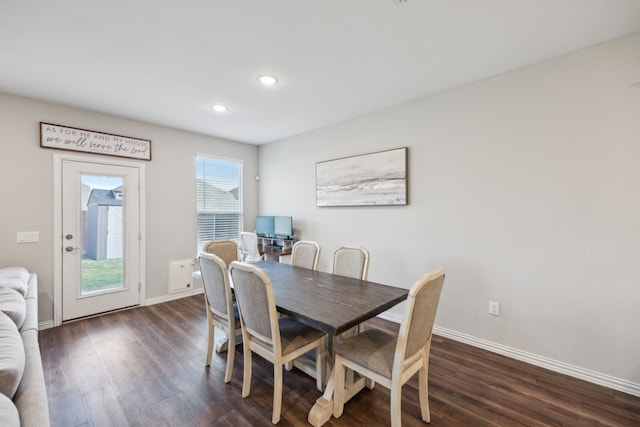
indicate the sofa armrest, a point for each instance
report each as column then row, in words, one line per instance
column 31, row 299
column 31, row 397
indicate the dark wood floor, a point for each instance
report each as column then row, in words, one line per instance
column 145, row 367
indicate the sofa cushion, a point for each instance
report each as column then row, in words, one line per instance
column 31, row 300
column 8, row 412
column 14, row 273
column 12, row 357
column 15, row 278
column 13, row 305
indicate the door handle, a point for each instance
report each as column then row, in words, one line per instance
column 70, row 248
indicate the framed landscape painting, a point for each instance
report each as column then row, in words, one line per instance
column 375, row 179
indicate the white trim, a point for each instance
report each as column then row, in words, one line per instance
column 395, row 318
column 240, row 162
column 47, row 324
column 543, row 362
column 533, row 359
column 58, row 158
column 172, row 297
column 216, row 157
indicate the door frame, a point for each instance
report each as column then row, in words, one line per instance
column 58, row 158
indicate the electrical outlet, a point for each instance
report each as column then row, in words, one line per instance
column 494, row 308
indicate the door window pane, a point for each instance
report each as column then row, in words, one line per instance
column 102, row 244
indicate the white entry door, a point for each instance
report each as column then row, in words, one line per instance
column 100, row 238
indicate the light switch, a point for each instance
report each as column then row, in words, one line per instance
column 28, row 237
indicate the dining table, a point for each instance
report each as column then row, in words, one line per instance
column 332, row 303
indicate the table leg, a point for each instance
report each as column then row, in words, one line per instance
column 221, row 344
column 322, row 410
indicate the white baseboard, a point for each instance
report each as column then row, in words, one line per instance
column 45, row 325
column 151, row 301
column 171, row 297
column 534, row 359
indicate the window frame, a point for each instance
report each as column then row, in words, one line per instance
column 239, row 213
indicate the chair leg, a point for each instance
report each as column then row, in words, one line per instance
column 210, row 345
column 396, row 401
column 370, row 383
column 277, row 392
column 423, row 392
column 231, row 352
column 319, row 363
column 246, row 380
column 338, row 387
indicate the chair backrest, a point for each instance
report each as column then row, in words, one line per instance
column 417, row 324
column 305, row 253
column 216, row 284
column 256, row 303
column 227, row 250
column 249, row 246
column 351, row 262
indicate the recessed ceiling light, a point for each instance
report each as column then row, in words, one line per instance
column 219, row 108
column 267, row 80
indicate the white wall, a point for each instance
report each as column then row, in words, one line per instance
column 524, row 187
column 26, row 176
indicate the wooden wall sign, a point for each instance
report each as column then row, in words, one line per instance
column 87, row 141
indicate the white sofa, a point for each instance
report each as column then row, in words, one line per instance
column 23, row 396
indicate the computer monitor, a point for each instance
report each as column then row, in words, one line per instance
column 265, row 226
column 283, row 226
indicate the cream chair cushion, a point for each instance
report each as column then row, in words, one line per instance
column 227, row 250
column 373, row 349
column 305, row 254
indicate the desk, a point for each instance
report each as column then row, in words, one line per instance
column 332, row 304
column 276, row 246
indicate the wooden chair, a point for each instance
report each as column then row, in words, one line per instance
column 351, row 262
column 249, row 247
column 305, row 253
column 278, row 340
column 390, row 360
column 221, row 312
column 227, row 250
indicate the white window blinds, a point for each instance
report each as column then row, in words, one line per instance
column 219, row 199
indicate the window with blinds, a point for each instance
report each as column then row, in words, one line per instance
column 219, row 199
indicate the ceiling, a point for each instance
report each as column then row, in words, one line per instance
column 165, row 62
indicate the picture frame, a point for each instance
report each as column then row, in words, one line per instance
column 88, row 141
column 374, row 179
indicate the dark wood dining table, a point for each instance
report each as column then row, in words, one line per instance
column 331, row 303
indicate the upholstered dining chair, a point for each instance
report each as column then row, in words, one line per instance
column 352, row 262
column 227, row 250
column 221, row 311
column 278, row 340
column 305, row 253
column 392, row 360
column 249, row 247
